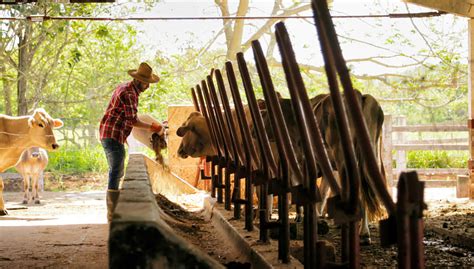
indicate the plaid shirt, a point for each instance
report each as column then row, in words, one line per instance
column 121, row 113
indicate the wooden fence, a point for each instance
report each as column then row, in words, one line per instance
column 395, row 138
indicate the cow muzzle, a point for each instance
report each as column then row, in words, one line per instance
column 55, row 146
column 182, row 153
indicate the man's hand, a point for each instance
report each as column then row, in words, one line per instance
column 157, row 128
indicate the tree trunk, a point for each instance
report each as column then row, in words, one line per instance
column 6, row 89
column 23, row 68
column 236, row 41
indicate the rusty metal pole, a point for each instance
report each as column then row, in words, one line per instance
column 266, row 157
column 349, row 232
column 195, row 101
column 416, row 199
column 403, row 225
column 214, row 139
column 354, row 107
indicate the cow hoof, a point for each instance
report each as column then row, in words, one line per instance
column 298, row 218
column 323, row 227
column 365, row 240
column 25, row 202
column 37, row 202
column 3, row 212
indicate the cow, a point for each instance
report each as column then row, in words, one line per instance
column 325, row 116
column 152, row 140
column 20, row 133
column 31, row 165
column 196, row 140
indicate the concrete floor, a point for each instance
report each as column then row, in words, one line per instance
column 67, row 230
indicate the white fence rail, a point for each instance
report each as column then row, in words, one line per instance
column 396, row 138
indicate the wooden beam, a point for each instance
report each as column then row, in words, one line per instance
column 459, row 7
column 18, row 2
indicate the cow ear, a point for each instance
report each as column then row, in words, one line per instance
column 182, row 131
column 58, row 123
column 31, row 121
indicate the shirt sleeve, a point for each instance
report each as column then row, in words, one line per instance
column 130, row 108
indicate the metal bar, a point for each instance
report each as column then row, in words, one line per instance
column 403, row 225
column 287, row 159
column 163, row 18
column 222, row 146
column 322, row 13
column 239, row 156
column 215, row 159
column 267, row 160
column 231, row 158
column 284, row 144
column 416, row 199
column 195, row 101
column 266, row 153
column 251, row 158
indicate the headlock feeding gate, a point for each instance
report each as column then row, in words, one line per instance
column 238, row 155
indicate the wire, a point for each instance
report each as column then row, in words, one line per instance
column 40, row 18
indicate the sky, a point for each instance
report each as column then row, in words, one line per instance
column 173, row 36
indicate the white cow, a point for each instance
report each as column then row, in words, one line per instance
column 31, row 165
column 20, row 133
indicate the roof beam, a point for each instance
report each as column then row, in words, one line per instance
column 17, row 2
column 459, row 7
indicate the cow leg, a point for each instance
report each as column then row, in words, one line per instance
column 3, row 210
column 364, row 232
column 299, row 213
column 26, row 188
column 34, row 188
column 324, row 188
column 269, row 205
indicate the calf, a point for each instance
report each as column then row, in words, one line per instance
column 31, row 165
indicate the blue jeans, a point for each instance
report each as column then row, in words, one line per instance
column 115, row 153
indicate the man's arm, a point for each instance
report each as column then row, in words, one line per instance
column 154, row 127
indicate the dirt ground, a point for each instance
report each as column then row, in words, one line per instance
column 449, row 233
column 449, row 227
column 67, row 230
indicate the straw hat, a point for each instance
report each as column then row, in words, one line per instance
column 144, row 73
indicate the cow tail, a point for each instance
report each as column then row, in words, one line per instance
column 372, row 202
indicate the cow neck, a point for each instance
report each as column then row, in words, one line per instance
column 16, row 130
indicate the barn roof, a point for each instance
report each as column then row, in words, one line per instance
column 15, row 2
column 459, row 7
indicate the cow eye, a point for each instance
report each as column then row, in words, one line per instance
column 41, row 125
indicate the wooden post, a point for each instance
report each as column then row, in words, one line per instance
column 401, row 155
column 470, row 106
column 387, row 149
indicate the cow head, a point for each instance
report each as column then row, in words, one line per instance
column 41, row 126
column 196, row 140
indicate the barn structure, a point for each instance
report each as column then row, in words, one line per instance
column 465, row 9
column 138, row 224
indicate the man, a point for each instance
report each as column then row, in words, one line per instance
column 117, row 123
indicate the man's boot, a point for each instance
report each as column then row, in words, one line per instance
column 112, row 199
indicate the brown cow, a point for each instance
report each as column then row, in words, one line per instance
column 20, row 133
column 31, row 165
column 197, row 142
column 325, row 115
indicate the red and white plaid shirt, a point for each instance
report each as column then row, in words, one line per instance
column 121, row 113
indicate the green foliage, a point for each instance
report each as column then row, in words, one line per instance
column 437, row 159
column 76, row 160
